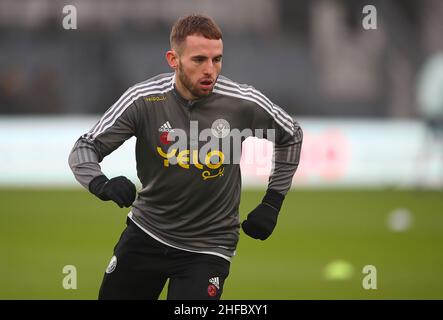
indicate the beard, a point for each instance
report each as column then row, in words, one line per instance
column 192, row 88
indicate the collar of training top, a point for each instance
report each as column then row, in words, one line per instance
column 186, row 102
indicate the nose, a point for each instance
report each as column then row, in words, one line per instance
column 209, row 68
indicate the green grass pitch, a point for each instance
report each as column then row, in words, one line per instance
column 43, row 230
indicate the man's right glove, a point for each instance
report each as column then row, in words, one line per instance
column 262, row 220
column 119, row 189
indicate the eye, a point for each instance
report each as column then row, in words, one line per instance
column 217, row 59
column 198, row 59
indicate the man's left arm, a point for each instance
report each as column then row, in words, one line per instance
column 287, row 137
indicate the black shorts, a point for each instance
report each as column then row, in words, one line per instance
column 141, row 266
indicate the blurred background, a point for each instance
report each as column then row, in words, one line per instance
column 368, row 191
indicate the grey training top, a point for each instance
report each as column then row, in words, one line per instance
column 190, row 188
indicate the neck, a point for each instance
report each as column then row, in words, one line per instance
column 185, row 93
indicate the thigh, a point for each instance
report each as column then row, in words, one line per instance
column 200, row 277
column 137, row 269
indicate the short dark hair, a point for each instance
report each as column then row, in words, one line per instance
column 193, row 24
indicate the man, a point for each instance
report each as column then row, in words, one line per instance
column 189, row 125
column 430, row 107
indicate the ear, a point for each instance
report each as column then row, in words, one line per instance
column 172, row 59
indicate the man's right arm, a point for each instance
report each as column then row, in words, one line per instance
column 117, row 125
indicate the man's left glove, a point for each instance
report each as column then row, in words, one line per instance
column 262, row 220
column 119, row 189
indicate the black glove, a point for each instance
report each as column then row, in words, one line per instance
column 119, row 189
column 262, row 220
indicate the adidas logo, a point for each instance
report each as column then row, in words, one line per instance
column 166, row 127
column 215, row 282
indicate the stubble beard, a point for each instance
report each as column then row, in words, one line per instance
column 187, row 83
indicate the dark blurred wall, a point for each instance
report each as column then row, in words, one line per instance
column 310, row 57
